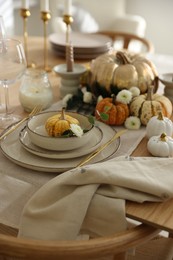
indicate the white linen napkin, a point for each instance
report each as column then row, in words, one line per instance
column 92, row 198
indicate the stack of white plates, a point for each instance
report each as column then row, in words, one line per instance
column 85, row 46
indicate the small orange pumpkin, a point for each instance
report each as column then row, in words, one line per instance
column 115, row 112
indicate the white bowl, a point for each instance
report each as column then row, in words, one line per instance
column 38, row 134
column 167, row 80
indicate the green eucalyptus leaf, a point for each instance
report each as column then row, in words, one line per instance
column 91, row 119
column 104, row 116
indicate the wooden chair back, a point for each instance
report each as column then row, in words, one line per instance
column 113, row 245
column 127, row 38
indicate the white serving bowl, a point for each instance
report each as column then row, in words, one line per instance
column 38, row 134
column 167, row 80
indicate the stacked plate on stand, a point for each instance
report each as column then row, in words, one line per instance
column 85, row 45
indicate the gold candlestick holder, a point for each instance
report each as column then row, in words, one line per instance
column 67, row 19
column 45, row 16
column 25, row 13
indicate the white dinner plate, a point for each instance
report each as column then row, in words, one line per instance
column 80, row 56
column 93, row 143
column 85, row 45
column 13, row 150
column 82, row 41
column 84, row 51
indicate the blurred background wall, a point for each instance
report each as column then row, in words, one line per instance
column 159, row 17
column 157, row 13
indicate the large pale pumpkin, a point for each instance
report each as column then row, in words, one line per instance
column 112, row 72
column 148, row 105
column 116, row 112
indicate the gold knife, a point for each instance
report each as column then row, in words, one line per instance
column 101, row 148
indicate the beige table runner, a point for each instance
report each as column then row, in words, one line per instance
column 18, row 184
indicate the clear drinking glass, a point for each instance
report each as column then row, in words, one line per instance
column 12, row 67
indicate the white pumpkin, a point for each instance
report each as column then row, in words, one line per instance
column 161, row 145
column 158, row 125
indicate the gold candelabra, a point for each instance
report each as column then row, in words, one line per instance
column 25, row 13
column 45, row 16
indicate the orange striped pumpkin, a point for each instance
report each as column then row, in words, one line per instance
column 115, row 112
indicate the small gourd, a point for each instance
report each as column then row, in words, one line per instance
column 148, row 105
column 161, row 145
column 56, row 125
column 115, row 113
column 158, row 125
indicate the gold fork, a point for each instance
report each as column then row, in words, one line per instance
column 35, row 111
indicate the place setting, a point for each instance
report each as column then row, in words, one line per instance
column 30, row 146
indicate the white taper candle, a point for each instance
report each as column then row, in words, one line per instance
column 25, row 4
column 44, row 5
column 67, row 7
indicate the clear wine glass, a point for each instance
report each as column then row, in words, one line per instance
column 2, row 37
column 12, row 67
column 1, row 104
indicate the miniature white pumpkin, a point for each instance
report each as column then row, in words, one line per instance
column 158, row 125
column 161, row 145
